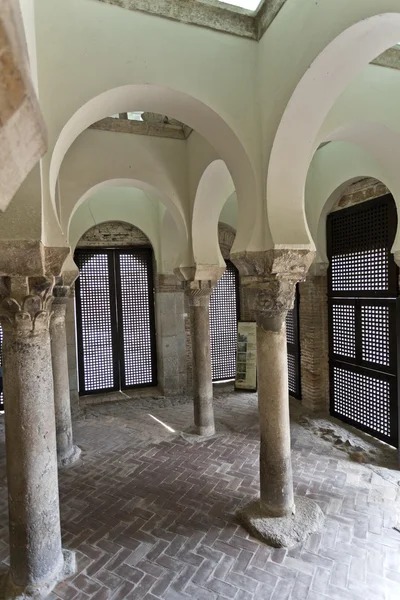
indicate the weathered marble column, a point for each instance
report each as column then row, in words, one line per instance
column 198, row 294
column 67, row 452
column 37, row 561
column 270, row 278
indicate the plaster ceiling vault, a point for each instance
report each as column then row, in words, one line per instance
column 233, row 113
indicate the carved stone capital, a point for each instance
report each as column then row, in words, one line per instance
column 199, row 292
column 25, row 303
column 270, row 278
column 200, row 273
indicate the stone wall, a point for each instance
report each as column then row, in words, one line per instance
column 361, row 191
column 113, row 234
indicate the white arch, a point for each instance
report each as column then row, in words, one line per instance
column 141, row 185
column 180, row 225
column 307, row 108
column 333, row 168
column 214, row 188
column 178, row 105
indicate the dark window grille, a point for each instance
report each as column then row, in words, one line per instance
column 224, row 316
column 137, row 340
column 362, row 290
column 293, row 348
column 115, row 320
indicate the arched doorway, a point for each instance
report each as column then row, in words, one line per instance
column 362, row 292
column 225, row 312
column 115, row 310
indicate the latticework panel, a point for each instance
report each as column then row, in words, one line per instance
column 292, row 373
column 363, row 400
column 359, row 243
column 96, row 360
column 375, row 334
column 364, row 271
column 293, row 348
column 363, row 285
column 290, row 333
column 344, row 330
column 224, row 307
column 135, row 312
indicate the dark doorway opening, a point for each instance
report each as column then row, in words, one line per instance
column 293, row 348
column 115, row 320
column 224, row 316
column 362, row 295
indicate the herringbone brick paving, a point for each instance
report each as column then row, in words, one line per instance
column 157, row 521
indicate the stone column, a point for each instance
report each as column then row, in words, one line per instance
column 37, row 561
column 67, row 452
column 314, row 339
column 198, row 294
column 270, row 278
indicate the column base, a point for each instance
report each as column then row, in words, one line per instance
column 205, row 431
column 283, row 532
column 70, row 459
column 40, row 591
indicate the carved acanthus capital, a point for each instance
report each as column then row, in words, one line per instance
column 25, row 303
column 270, row 278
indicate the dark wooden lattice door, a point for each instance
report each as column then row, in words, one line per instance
column 362, row 291
column 293, row 348
column 115, row 320
column 224, row 316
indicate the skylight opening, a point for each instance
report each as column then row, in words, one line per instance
column 248, row 4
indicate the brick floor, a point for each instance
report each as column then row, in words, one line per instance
column 156, row 520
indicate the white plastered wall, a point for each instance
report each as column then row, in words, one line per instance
column 342, row 38
column 186, row 72
column 223, row 86
column 333, row 168
column 366, row 118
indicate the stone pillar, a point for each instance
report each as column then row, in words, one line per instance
column 198, row 294
column 171, row 338
column 276, row 482
column 37, row 561
column 67, row 452
column 314, row 339
column 270, row 278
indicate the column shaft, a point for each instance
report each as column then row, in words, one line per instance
column 66, row 451
column 276, row 485
column 202, row 373
column 36, row 557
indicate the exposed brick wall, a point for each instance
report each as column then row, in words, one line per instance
column 362, row 191
column 113, row 234
column 313, row 321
